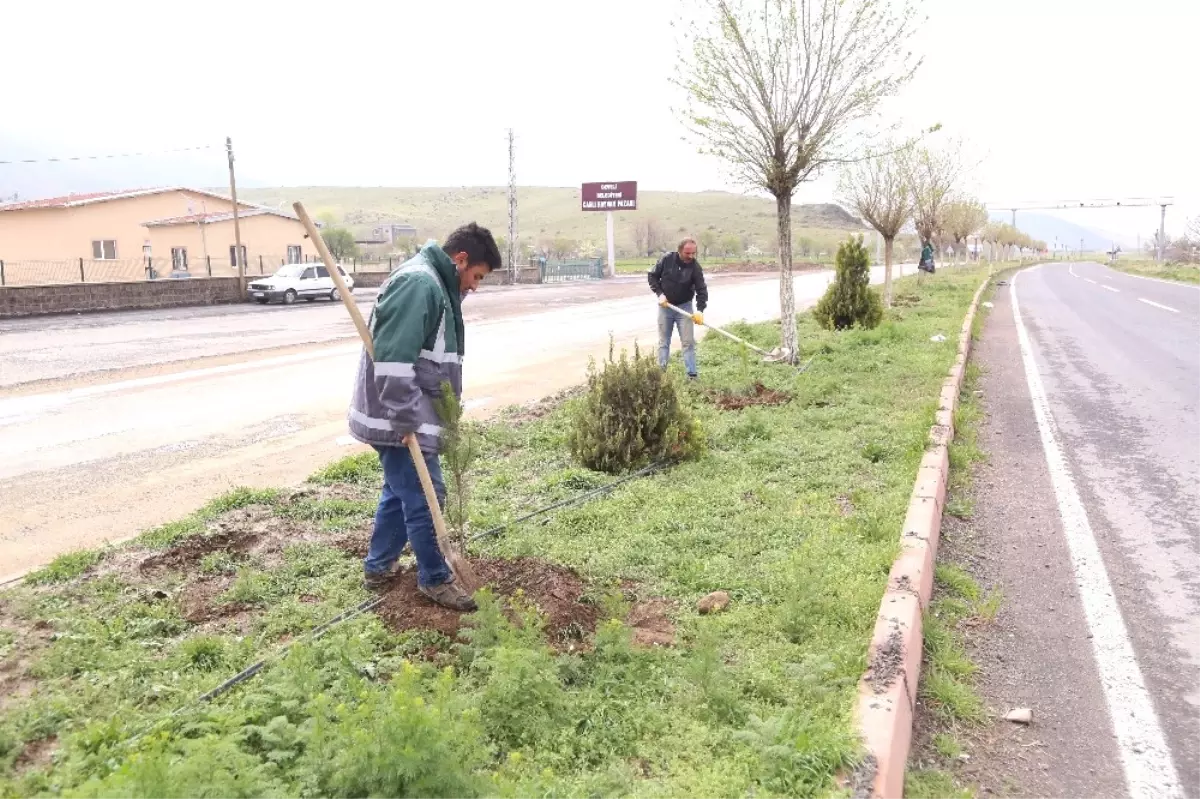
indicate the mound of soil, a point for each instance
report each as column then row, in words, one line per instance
column 759, row 395
column 556, row 591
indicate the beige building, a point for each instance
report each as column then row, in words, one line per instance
column 123, row 235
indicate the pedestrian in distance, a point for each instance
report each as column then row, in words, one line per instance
column 418, row 334
column 677, row 279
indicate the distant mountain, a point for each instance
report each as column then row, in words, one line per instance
column 1052, row 228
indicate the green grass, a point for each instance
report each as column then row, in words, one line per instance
column 934, row 784
column 1180, row 273
column 65, row 567
column 795, row 511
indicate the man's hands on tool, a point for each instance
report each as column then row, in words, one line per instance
column 662, row 301
column 698, row 318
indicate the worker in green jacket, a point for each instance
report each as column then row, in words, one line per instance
column 417, row 331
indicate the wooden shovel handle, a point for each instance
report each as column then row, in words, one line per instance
column 315, row 236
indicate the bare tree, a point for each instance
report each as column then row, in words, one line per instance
column 934, row 174
column 640, row 236
column 780, row 89
column 992, row 234
column 878, row 189
column 962, row 219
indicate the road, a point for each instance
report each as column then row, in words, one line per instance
column 1092, row 497
column 112, row 423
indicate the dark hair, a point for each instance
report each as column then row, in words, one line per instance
column 477, row 243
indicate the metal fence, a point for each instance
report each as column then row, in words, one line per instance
column 564, row 271
column 37, row 272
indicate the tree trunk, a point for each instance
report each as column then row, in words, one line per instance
column 787, row 291
column 887, row 272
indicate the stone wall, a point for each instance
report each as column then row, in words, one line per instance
column 84, row 297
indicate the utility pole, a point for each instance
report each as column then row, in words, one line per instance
column 237, row 228
column 1162, row 234
column 512, row 209
column 1014, row 222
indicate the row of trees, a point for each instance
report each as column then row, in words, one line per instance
column 783, row 90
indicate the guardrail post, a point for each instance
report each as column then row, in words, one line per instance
column 82, row 278
column 1, row 271
column 208, row 264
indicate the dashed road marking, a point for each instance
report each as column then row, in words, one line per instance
column 1110, row 288
column 1158, row 305
column 1145, row 757
column 1088, row 279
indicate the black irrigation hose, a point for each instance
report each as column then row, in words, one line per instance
column 317, row 632
column 572, row 501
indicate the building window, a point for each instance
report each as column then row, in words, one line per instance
column 104, row 250
column 294, row 256
column 179, row 259
column 233, row 255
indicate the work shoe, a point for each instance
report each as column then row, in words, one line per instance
column 449, row 595
column 692, row 378
column 378, row 581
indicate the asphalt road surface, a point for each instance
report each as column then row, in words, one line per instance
column 1092, row 385
column 112, row 423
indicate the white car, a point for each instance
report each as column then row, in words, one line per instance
column 299, row 281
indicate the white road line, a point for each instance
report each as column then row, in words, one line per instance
column 1110, row 288
column 1088, row 279
column 1158, row 305
column 1159, row 280
column 1071, row 269
column 1145, row 757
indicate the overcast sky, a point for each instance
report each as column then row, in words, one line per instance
column 1061, row 99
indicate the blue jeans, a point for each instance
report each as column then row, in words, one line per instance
column 668, row 320
column 403, row 517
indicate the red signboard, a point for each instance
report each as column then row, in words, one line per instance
column 619, row 196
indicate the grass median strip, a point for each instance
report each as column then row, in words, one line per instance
column 795, row 511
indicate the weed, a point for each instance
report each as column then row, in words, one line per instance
column 934, row 784
column 952, row 578
column 219, row 562
column 952, row 699
column 947, row 746
column 65, row 567
column 361, row 469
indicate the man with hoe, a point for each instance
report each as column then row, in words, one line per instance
column 417, row 331
column 677, row 278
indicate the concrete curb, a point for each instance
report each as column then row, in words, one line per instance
column 887, row 693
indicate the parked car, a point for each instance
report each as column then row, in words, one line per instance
column 299, row 281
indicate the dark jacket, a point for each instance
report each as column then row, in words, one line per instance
column 417, row 330
column 678, row 281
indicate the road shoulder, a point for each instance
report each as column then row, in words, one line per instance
column 1036, row 653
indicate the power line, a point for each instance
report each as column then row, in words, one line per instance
column 105, row 157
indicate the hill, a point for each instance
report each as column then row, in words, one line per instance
column 1052, row 228
column 545, row 214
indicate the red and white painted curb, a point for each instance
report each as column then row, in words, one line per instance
column 887, row 693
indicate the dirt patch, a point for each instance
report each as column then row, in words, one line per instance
column 651, row 623
column 199, row 602
column 36, row 754
column 845, row 506
column 758, row 395
column 556, row 591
